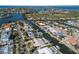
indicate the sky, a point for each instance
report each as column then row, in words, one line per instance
column 39, row 2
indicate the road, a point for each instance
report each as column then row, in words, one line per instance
column 22, row 37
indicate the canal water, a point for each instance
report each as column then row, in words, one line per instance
column 53, row 41
column 13, row 17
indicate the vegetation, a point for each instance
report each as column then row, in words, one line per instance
column 53, row 16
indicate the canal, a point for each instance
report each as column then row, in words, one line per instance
column 53, row 41
column 13, row 17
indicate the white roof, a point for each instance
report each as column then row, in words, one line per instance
column 51, row 29
column 38, row 42
column 4, row 36
column 41, row 24
column 5, row 49
column 45, row 51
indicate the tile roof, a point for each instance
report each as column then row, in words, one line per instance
column 73, row 40
column 6, row 26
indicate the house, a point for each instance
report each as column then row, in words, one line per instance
column 45, row 50
column 73, row 40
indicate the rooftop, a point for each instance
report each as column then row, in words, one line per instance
column 73, row 40
column 45, row 51
column 5, row 26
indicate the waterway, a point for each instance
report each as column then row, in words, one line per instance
column 53, row 41
column 13, row 17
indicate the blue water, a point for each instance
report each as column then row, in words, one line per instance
column 68, row 7
column 14, row 17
